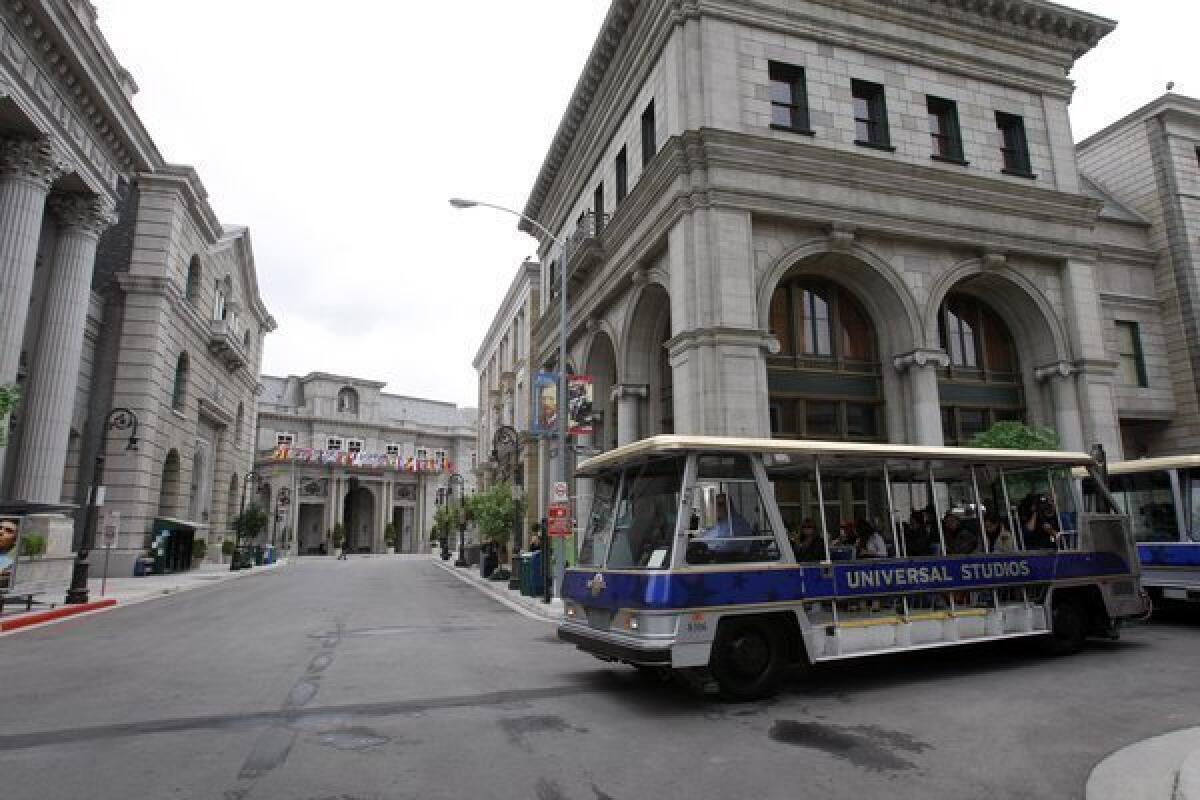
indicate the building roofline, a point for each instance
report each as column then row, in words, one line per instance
column 1038, row 16
column 528, row 273
column 1160, row 105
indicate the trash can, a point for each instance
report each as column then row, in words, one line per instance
column 269, row 554
column 258, row 555
column 535, row 573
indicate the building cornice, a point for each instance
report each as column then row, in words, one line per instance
column 1027, row 28
column 79, row 69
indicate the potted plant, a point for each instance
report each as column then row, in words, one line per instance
column 339, row 536
column 226, row 549
column 389, row 537
column 199, row 551
column 33, row 545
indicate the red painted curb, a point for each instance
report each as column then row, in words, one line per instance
column 55, row 613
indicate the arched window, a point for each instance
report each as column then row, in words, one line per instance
column 192, row 289
column 825, row 381
column 347, row 401
column 179, row 389
column 982, row 384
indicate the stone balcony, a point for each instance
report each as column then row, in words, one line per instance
column 224, row 343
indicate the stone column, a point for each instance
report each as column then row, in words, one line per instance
column 628, row 396
column 49, row 400
column 1097, row 406
column 28, row 166
column 920, row 368
column 1064, row 394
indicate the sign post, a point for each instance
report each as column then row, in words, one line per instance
column 108, row 534
column 559, row 519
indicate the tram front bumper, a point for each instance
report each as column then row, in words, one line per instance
column 616, row 647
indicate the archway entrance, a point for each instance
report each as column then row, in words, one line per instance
column 648, row 363
column 359, row 520
column 602, row 366
column 168, row 493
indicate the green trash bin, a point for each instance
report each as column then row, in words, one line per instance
column 527, row 574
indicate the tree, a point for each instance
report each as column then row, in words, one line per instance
column 493, row 512
column 250, row 523
column 1010, row 435
column 445, row 519
column 389, row 534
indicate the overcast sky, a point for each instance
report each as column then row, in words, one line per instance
column 337, row 132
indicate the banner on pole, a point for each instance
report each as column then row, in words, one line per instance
column 579, row 406
column 545, row 403
column 580, row 400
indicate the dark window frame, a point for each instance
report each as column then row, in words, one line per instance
column 876, row 121
column 621, row 168
column 1138, row 355
column 649, row 135
column 1014, row 147
column 598, row 208
column 947, row 135
column 797, row 87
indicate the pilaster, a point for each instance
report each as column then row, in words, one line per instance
column 1060, row 377
column 919, row 368
column 628, row 397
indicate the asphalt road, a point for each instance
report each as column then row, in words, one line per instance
column 388, row 678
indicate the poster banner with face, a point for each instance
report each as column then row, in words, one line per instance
column 579, row 409
column 545, row 403
column 10, row 547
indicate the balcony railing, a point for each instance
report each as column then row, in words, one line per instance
column 224, row 344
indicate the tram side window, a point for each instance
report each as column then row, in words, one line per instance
column 1146, row 498
column 1189, row 484
column 595, row 538
column 730, row 523
column 645, row 515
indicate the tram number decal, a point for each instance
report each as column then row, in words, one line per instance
column 697, row 624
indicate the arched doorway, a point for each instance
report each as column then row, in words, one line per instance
column 359, row 519
column 826, row 380
column 602, row 366
column 982, row 383
column 168, row 493
column 231, row 503
column 647, row 362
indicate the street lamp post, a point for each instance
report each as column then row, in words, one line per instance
column 462, row 518
column 564, row 247
column 237, row 534
column 118, row 419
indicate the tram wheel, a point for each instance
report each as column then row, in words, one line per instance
column 1068, row 627
column 747, row 658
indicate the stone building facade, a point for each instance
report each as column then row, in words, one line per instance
column 342, row 451
column 121, row 289
column 1148, row 167
column 503, row 366
column 839, row 220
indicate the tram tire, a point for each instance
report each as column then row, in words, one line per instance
column 747, row 659
column 1068, row 627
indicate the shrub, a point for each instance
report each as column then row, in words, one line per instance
column 199, row 549
column 227, row 547
column 33, row 544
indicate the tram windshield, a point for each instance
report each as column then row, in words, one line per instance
column 644, row 515
column 1148, row 500
column 1189, row 484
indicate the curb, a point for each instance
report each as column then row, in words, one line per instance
column 540, row 612
column 38, row 617
column 1165, row 767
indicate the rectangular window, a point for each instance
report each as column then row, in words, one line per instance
column 285, row 439
column 598, row 205
column 622, row 169
column 354, row 445
column 820, row 418
column 1015, row 147
column 943, row 127
column 439, row 457
column 789, row 97
column 1129, row 347
column 870, row 115
column 333, row 443
column 392, row 449
column 649, row 136
column 552, row 279
column 422, row 454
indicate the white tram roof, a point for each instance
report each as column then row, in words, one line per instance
column 1153, row 464
column 675, row 443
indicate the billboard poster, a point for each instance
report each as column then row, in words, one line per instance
column 579, row 406
column 545, row 403
column 9, row 549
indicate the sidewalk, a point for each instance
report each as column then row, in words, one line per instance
column 1164, row 767
column 124, row 592
column 529, row 606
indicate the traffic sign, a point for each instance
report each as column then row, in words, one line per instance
column 560, row 526
column 559, row 511
column 560, row 494
column 110, row 528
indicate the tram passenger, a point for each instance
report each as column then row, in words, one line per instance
column 807, row 544
column 1000, row 538
column 870, row 543
column 962, row 538
column 919, row 533
column 1039, row 522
